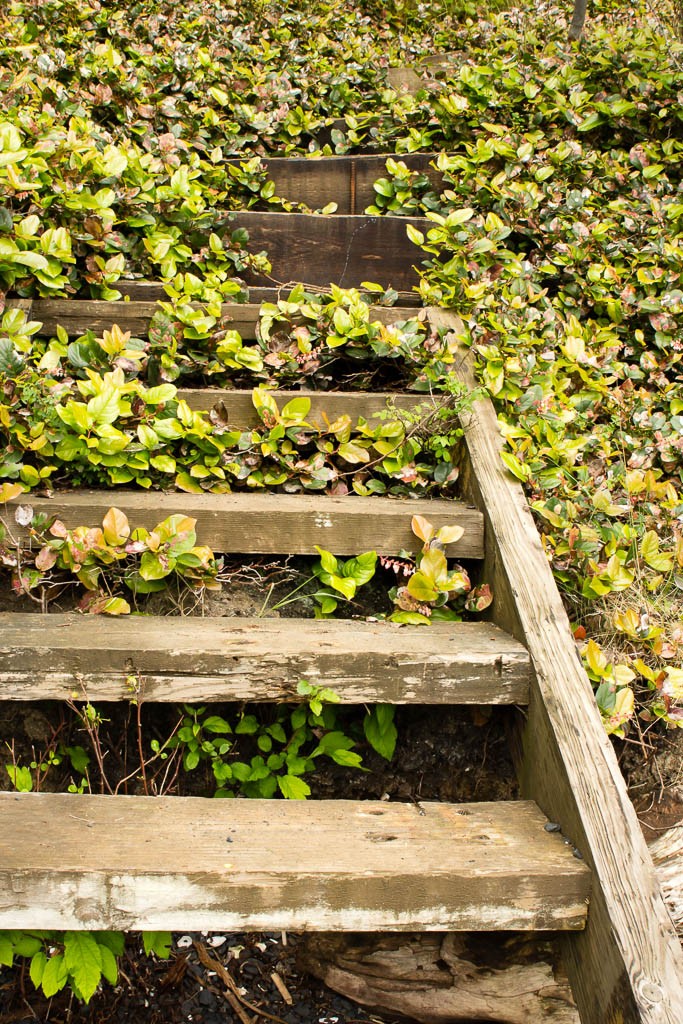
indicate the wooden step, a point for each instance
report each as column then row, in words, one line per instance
column 151, row 291
column 267, row 523
column 193, row 659
column 347, row 249
column 77, row 316
column 345, row 180
column 326, row 406
column 155, row 863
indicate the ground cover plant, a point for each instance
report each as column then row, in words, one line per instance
column 83, row 413
column 556, row 237
column 114, row 139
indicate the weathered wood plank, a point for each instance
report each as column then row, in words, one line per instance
column 268, row 523
column 346, row 180
column 441, row 62
column 173, row 862
column 448, row 978
column 405, row 79
column 212, row 659
column 77, row 316
column 152, row 291
column 345, row 249
column 667, row 855
column 325, row 405
column 628, row 965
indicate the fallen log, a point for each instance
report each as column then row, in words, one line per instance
column 443, row 978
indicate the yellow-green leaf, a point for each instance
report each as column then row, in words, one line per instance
column 422, row 528
column 434, row 567
column 415, row 236
column 649, row 549
column 421, row 588
column 517, row 468
column 115, row 526
column 10, row 491
column 116, row 606
column 449, row 534
column 597, row 662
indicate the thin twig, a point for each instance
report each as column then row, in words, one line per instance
column 225, row 976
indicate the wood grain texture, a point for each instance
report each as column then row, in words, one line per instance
column 212, row 659
column 346, row 180
column 404, row 79
column 267, row 523
column 345, row 249
column 628, row 966
column 326, row 406
column 99, row 862
column 667, row 855
column 451, row 978
column 77, row 316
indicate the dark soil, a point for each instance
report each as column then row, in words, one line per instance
column 443, row 753
column 653, row 768
column 266, row 587
column 183, row 989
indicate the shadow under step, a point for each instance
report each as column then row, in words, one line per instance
column 185, row 658
column 156, row 863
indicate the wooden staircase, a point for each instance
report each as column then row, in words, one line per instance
column 93, row 862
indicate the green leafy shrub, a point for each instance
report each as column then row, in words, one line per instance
column 77, row 960
column 79, row 413
column 287, row 746
column 432, row 592
column 106, row 560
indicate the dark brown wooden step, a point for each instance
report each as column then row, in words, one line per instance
column 194, row 659
column 155, row 863
column 345, row 180
column 346, row 249
column 267, row 523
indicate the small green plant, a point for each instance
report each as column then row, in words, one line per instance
column 405, row 193
column 341, row 580
column 434, row 592
column 76, row 960
column 286, row 748
column 105, row 559
column 30, row 777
